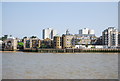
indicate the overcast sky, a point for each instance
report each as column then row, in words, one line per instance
column 29, row 18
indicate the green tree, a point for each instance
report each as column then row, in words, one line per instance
column 24, row 37
column 33, row 37
column 4, row 38
column 20, row 45
column 43, row 46
column 86, row 45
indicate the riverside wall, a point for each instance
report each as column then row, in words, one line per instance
column 71, row 50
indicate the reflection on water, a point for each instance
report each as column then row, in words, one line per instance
column 20, row 65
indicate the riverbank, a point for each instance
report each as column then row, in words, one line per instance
column 71, row 50
column 68, row 50
column 59, row 53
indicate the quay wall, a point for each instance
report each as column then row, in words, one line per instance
column 71, row 50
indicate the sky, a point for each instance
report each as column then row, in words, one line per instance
column 21, row 19
column 0, row 19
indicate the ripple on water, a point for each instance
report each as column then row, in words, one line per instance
column 59, row 66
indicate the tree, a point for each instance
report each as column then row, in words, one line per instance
column 20, row 45
column 43, row 45
column 4, row 38
column 33, row 37
column 0, row 38
column 86, row 45
column 24, row 37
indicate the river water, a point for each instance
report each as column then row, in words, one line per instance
column 19, row 65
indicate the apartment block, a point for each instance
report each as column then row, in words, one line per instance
column 57, row 42
column 31, row 43
column 119, row 39
column 86, row 31
column 110, row 37
column 46, row 43
column 67, row 40
column 84, row 39
column 49, row 33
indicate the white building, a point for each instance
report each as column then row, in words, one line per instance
column 10, row 43
column 110, row 37
column 49, row 33
column 86, row 31
column 84, row 39
column 91, row 32
column 89, row 46
column 1, row 44
column 83, row 31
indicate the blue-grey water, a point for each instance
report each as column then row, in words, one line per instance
column 19, row 65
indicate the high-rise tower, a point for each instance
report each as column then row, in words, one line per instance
column 49, row 33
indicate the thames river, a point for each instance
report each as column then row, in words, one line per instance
column 20, row 65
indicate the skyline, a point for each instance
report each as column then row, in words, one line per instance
column 33, row 17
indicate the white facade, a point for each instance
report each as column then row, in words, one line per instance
column 91, row 32
column 89, row 46
column 49, row 33
column 10, row 44
column 1, row 45
column 86, row 31
column 110, row 37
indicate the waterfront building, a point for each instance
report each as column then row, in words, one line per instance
column 89, row 46
column 49, row 33
column 46, row 43
column 31, row 43
column 110, row 37
column 99, row 41
column 10, row 44
column 86, row 31
column 119, row 39
column 84, row 39
column 91, row 31
column 67, row 40
column 57, row 42
column 1, row 45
